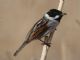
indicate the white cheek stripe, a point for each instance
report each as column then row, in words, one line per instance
column 57, row 16
column 48, row 17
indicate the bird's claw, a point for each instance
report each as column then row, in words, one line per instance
column 48, row 44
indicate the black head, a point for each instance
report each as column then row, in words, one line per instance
column 56, row 14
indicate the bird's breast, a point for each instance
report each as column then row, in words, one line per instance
column 52, row 23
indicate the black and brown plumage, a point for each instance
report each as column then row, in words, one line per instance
column 43, row 27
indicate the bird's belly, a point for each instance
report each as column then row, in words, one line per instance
column 52, row 24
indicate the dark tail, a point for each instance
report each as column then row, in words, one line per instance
column 22, row 46
column 28, row 40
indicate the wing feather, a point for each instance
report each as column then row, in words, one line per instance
column 38, row 28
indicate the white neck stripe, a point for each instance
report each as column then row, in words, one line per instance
column 48, row 17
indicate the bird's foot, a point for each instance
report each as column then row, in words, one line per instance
column 48, row 44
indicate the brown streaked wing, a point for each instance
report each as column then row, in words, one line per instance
column 37, row 29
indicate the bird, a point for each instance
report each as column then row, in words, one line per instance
column 42, row 27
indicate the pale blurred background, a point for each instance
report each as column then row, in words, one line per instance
column 18, row 16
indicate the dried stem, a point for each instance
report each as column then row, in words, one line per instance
column 45, row 47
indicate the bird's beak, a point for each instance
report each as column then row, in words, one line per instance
column 64, row 14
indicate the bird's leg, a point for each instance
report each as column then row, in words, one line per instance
column 41, row 40
column 45, row 42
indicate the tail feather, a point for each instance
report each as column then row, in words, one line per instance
column 22, row 46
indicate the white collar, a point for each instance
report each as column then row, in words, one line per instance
column 48, row 17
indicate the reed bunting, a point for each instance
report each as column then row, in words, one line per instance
column 44, row 26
